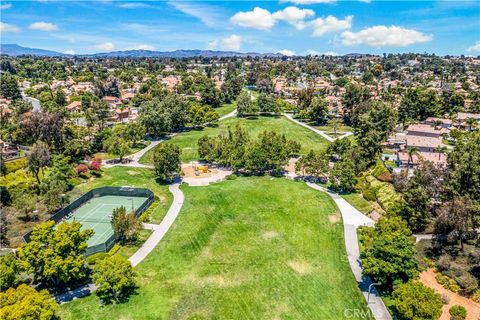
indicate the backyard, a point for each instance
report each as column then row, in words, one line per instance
column 249, row 248
column 187, row 141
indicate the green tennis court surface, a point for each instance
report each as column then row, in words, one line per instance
column 96, row 214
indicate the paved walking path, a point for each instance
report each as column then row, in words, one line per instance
column 159, row 232
column 319, row 132
column 228, row 115
column 352, row 219
column 164, row 226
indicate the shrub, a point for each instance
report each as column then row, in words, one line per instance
column 81, row 168
column 94, row 258
column 476, row 296
column 415, row 301
column 114, row 250
column 457, row 312
column 468, row 282
column 96, row 164
column 14, row 165
column 447, row 282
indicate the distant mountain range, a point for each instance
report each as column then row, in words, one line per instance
column 16, row 50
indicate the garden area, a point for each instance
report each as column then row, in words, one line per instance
column 238, row 250
column 188, row 141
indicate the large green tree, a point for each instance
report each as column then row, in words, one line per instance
column 167, row 161
column 414, row 301
column 114, row 278
column 9, row 87
column 38, row 158
column 25, row 302
column 54, row 253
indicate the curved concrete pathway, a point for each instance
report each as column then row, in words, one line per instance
column 319, row 132
column 352, row 219
column 159, row 232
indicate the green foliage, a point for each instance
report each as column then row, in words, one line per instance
column 114, row 278
column 166, row 115
column 245, row 104
column 25, row 302
column 342, row 177
column 418, row 104
column 167, row 161
column 94, row 258
column 313, row 164
column 38, row 158
column 414, row 301
column 14, row 165
column 267, row 104
column 385, row 195
column 9, row 87
column 389, row 253
column 125, row 225
column 117, row 146
column 458, row 312
column 8, row 271
column 55, row 252
column 447, row 282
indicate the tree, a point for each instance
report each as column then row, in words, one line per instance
column 61, row 169
column 24, row 302
column 102, row 113
column 117, row 146
column 110, row 87
column 134, row 132
column 167, row 161
column 245, row 105
column 8, row 271
column 342, row 177
column 9, row 87
column 114, row 278
column 54, row 253
column 415, row 301
column 314, row 164
column 418, row 104
column 457, row 217
column 389, row 254
column 24, row 203
column 125, row 224
column 44, row 126
column 20, row 107
column 211, row 96
column 457, row 312
column 232, row 86
column 38, row 158
column 318, row 110
column 267, row 104
column 166, row 115
column 355, row 96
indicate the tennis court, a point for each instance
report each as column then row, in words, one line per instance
column 96, row 214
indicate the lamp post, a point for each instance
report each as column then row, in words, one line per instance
column 369, row 289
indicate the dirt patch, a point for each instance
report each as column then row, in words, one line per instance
column 473, row 308
column 334, row 218
column 132, row 172
column 301, row 267
column 267, row 235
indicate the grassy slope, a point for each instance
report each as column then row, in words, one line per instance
column 230, row 254
column 136, row 177
column 358, row 201
column 188, row 140
column 226, row 108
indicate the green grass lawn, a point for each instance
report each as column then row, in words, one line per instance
column 358, row 201
column 250, row 248
column 188, row 141
column 226, row 108
column 108, row 156
column 135, row 177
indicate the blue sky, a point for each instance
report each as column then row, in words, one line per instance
column 296, row 26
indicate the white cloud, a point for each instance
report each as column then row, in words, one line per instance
column 306, row 2
column 106, row 46
column 383, row 36
column 6, row 27
column 141, row 46
column 294, row 16
column 330, row 53
column 43, row 26
column 258, row 19
column 5, row 6
column 322, row 26
column 135, row 5
column 474, row 48
column 287, row 52
column 205, row 13
column 212, row 45
column 233, row 42
column 313, row 52
column 69, row 51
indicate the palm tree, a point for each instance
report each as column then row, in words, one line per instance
column 440, row 150
column 411, row 151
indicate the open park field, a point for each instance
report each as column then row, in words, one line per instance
column 250, row 248
column 187, row 141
